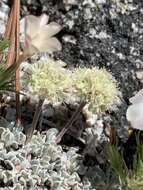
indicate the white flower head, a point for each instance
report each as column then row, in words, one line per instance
column 39, row 35
column 134, row 112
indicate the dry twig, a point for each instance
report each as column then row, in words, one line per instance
column 35, row 121
column 12, row 34
column 70, row 122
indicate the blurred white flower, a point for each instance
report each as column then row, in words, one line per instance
column 39, row 35
column 134, row 112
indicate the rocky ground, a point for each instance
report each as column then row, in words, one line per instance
column 105, row 33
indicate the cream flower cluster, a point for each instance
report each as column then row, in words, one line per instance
column 49, row 80
column 95, row 86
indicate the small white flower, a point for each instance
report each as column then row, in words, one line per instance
column 134, row 112
column 39, row 35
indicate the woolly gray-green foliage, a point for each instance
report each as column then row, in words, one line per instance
column 42, row 164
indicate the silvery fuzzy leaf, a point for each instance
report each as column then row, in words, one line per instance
column 51, row 135
column 64, row 158
column 35, row 177
column 53, row 173
column 36, row 150
column 42, row 173
column 15, row 160
column 46, row 157
column 25, row 164
column 20, row 157
column 87, row 184
column 1, row 131
column 44, row 162
column 56, row 179
column 65, row 174
column 30, row 182
column 35, row 165
column 1, row 145
column 59, row 165
column 6, row 176
column 29, row 148
column 8, row 165
column 25, row 174
column 37, row 139
column 35, row 168
column 3, row 153
column 22, row 181
column 7, row 137
column 50, row 167
column 52, row 152
column 35, row 161
column 12, row 156
column 14, row 145
column 74, row 178
column 18, row 187
column 11, row 125
column 72, row 166
column 20, row 137
column 59, row 149
column 22, row 161
column 72, row 155
column 48, row 182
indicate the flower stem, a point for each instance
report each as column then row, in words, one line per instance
column 35, row 121
column 70, row 122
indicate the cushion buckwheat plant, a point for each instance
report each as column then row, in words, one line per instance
column 49, row 80
column 97, row 87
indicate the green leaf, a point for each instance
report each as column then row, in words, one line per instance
column 118, row 164
column 4, row 44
